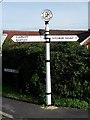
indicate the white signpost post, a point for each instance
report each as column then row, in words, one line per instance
column 3, row 37
column 46, row 16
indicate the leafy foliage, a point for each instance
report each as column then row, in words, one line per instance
column 70, row 69
column 76, row 103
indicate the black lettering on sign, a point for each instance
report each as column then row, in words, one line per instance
column 68, row 37
column 21, row 36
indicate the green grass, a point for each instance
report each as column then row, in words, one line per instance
column 11, row 93
column 74, row 103
column 64, row 102
column 0, row 89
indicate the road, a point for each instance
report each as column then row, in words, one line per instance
column 19, row 109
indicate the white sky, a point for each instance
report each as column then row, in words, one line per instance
column 45, row 0
column 27, row 15
column 89, row 15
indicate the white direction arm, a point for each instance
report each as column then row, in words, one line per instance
column 58, row 38
column 25, row 38
column 54, row 38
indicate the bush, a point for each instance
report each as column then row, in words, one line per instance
column 70, row 69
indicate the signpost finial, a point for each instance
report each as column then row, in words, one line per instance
column 46, row 15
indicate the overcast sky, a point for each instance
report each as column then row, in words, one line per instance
column 89, row 15
column 27, row 15
column 45, row 0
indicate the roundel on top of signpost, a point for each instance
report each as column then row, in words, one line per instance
column 46, row 15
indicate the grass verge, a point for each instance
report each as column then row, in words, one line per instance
column 11, row 93
column 64, row 102
column 74, row 103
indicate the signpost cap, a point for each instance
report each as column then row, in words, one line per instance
column 46, row 15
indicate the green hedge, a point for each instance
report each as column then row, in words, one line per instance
column 70, row 69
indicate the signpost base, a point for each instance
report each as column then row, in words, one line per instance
column 48, row 99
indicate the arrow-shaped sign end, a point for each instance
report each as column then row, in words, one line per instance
column 14, row 39
column 77, row 38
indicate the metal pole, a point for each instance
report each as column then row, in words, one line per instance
column 48, row 77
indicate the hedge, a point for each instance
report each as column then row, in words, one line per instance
column 70, row 69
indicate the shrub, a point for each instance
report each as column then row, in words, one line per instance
column 70, row 69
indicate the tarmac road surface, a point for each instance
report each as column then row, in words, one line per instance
column 19, row 109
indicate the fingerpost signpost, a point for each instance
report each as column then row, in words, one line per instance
column 46, row 15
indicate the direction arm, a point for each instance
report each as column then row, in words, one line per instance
column 53, row 38
column 24, row 38
column 63, row 38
